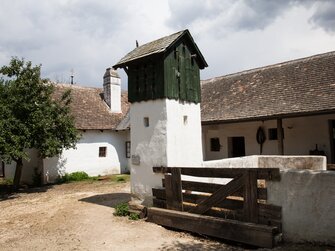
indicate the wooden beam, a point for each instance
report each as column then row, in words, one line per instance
column 280, row 136
column 250, row 207
column 262, row 173
column 248, row 233
column 174, row 198
column 231, row 204
column 219, row 195
column 211, row 188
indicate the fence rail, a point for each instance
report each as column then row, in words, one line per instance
column 241, row 199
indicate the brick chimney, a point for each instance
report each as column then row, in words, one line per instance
column 112, row 90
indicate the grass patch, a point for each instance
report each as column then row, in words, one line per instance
column 82, row 176
column 120, row 178
column 123, row 210
column 76, row 176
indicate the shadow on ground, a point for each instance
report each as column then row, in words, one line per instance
column 217, row 246
column 7, row 192
column 109, row 199
column 208, row 246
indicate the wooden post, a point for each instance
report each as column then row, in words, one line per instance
column 280, row 136
column 250, row 207
column 174, row 193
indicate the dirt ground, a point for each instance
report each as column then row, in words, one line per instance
column 79, row 216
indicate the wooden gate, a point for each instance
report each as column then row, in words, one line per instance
column 235, row 211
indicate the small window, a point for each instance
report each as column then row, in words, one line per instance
column 127, row 149
column 146, row 121
column 215, row 145
column 273, row 133
column 102, row 151
column 185, row 119
column 2, row 169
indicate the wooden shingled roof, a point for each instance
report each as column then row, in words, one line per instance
column 89, row 109
column 160, row 46
column 300, row 87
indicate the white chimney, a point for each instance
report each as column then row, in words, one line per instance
column 112, row 90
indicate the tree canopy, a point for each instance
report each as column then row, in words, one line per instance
column 30, row 117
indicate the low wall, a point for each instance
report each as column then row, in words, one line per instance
column 306, row 194
column 308, row 205
column 269, row 161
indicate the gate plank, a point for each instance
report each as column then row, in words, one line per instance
column 174, row 197
column 262, row 173
column 218, row 196
column 250, row 207
column 249, row 233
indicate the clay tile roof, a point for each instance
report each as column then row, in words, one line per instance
column 299, row 87
column 89, row 109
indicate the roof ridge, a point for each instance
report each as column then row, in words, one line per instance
column 284, row 63
column 162, row 38
column 75, row 86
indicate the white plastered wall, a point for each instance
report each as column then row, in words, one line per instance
column 307, row 200
column 86, row 156
column 173, row 138
column 300, row 136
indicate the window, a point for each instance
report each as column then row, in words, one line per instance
column 2, row 169
column 127, row 149
column 215, row 145
column 102, row 151
column 146, row 121
column 273, row 133
column 185, row 119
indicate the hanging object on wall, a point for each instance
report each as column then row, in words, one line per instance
column 260, row 137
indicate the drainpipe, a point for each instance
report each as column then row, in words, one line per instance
column 280, row 136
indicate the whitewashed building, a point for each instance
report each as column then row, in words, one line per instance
column 239, row 114
column 102, row 148
column 296, row 98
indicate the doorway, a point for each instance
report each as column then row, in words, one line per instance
column 236, row 147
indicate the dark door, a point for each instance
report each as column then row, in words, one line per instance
column 238, row 146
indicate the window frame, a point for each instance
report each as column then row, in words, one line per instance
column 102, row 151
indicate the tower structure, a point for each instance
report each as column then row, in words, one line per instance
column 164, row 92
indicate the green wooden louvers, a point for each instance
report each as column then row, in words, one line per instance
column 165, row 68
column 174, row 75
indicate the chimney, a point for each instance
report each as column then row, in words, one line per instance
column 112, row 90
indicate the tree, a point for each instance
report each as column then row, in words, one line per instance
column 30, row 117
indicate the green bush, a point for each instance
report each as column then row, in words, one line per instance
column 122, row 210
column 133, row 216
column 76, row 176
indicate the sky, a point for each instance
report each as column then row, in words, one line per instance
column 87, row 36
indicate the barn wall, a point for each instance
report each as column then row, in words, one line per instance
column 86, row 156
column 300, row 136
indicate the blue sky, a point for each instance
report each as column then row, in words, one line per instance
column 90, row 35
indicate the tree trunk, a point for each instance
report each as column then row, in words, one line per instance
column 18, row 172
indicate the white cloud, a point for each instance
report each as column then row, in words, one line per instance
column 91, row 35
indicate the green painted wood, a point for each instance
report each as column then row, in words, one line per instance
column 171, row 76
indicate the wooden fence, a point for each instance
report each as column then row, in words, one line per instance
column 236, row 211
